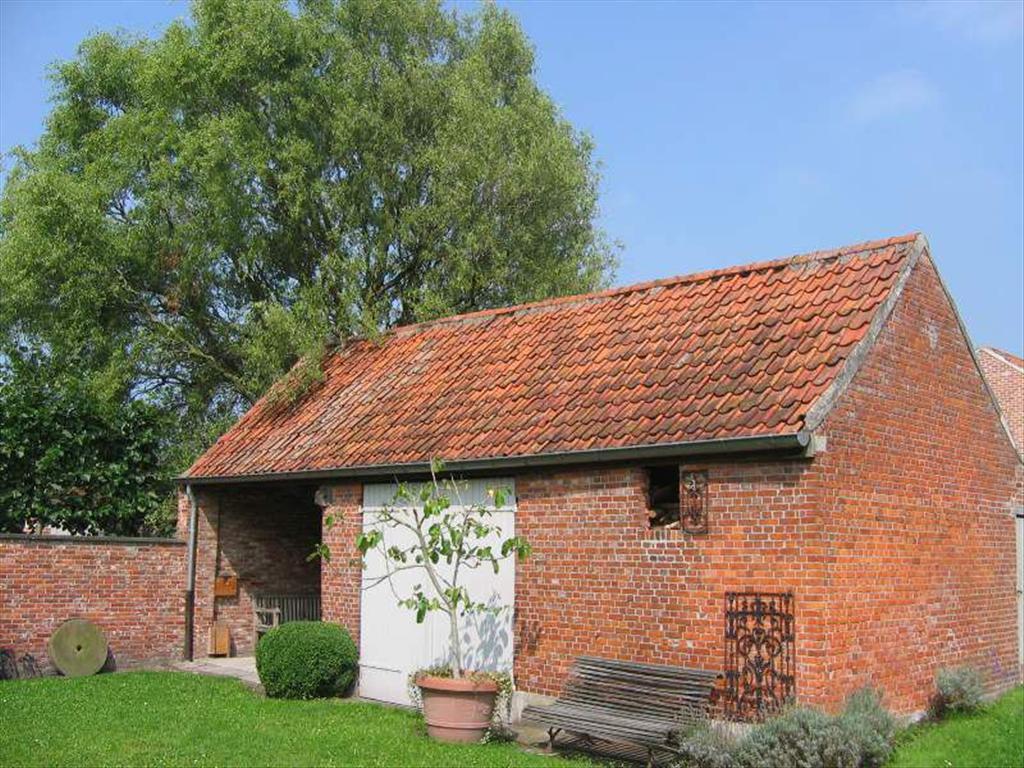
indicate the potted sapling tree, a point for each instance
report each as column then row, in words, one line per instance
column 443, row 539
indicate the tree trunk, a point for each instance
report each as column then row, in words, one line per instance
column 456, row 647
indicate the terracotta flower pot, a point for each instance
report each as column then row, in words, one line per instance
column 457, row 710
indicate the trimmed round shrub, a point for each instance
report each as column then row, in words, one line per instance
column 306, row 660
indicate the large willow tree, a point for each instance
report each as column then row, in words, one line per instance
column 205, row 207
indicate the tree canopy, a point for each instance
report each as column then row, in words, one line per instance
column 206, row 207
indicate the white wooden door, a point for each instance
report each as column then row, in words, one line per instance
column 392, row 644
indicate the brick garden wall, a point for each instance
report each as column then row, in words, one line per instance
column 918, row 489
column 133, row 589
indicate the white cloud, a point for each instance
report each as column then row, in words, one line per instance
column 892, row 94
column 988, row 21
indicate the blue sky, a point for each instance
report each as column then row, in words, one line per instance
column 739, row 132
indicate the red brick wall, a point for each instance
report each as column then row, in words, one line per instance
column 133, row 589
column 1007, row 384
column 917, row 490
column 263, row 537
column 184, row 513
column 341, row 578
column 600, row 581
column 208, row 504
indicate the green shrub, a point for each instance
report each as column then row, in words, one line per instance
column 800, row 737
column 958, row 689
column 306, row 660
column 869, row 725
column 708, row 747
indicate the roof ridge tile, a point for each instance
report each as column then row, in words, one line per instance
column 664, row 282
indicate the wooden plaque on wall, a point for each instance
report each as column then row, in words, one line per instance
column 225, row 586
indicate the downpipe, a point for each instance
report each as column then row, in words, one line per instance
column 190, row 591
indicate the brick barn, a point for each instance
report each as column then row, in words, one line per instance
column 806, row 442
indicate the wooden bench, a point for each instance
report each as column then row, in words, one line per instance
column 268, row 611
column 647, row 705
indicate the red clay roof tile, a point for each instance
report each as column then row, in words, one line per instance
column 728, row 353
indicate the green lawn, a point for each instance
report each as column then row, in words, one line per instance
column 992, row 738
column 172, row 718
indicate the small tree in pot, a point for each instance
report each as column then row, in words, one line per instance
column 448, row 539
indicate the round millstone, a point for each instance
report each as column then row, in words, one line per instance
column 78, row 648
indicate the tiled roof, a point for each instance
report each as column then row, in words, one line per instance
column 1005, row 375
column 735, row 352
column 1007, row 358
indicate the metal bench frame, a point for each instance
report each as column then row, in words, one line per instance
column 647, row 705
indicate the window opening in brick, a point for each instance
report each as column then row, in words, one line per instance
column 663, row 496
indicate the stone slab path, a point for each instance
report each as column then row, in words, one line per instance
column 240, row 667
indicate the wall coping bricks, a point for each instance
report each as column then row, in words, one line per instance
column 32, row 538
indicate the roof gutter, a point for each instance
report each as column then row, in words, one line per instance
column 795, row 443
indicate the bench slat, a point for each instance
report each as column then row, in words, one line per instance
column 643, row 704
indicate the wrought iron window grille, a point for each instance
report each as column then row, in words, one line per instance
column 760, row 658
column 693, row 506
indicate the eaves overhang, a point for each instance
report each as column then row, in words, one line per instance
column 793, row 443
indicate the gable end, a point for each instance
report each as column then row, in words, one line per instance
column 828, row 399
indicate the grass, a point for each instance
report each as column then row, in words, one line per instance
column 990, row 738
column 174, row 718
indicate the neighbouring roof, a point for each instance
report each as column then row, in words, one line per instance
column 1008, row 359
column 1005, row 375
column 733, row 353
